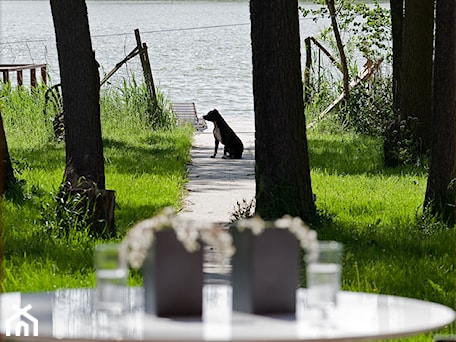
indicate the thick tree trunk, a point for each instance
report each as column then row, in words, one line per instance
column 392, row 134
column 412, row 30
column 441, row 188
column 283, row 183
column 397, row 23
column 80, row 90
column 7, row 178
column 415, row 99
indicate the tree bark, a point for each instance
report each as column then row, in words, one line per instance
column 6, row 178
column 392, row 133
column 283, row 184
column 397, row 23
column 6, row 168
column 80, row 91
column 440, row 195
column 415, row 99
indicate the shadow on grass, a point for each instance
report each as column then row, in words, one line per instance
column 127, row 216
column 50, row 157
column 353, row 156
column 119, row 155
column 406, row 260
column 128, row 158
column 153, row 154
column 67, row 255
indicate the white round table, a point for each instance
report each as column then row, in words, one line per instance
column 69, row 315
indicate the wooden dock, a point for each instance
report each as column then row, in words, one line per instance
column 186, row 113
column 6, row 69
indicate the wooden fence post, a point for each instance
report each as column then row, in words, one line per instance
column 144, row 56
column 33, row 78
column 5, row 76
column 44, row 74
column 20, row 79
column 307, row 70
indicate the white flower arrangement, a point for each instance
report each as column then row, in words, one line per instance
column 140, row 237
column 306, row 236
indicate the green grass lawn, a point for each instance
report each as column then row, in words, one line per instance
column 146, row 168
column 390, row 247
column 377, row 214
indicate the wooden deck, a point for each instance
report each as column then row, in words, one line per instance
column 186, row 113
column 6, row 69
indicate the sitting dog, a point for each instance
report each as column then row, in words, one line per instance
column 225, row 135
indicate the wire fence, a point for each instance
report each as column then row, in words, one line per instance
column 109, row 48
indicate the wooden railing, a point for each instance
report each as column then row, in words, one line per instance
column 19, row 68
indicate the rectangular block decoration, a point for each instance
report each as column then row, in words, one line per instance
column 265, row 271
column 173, row 278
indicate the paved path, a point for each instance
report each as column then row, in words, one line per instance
column 215, row 185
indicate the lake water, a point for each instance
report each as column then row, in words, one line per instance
column 199, row 51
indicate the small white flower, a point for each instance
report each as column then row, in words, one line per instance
column 140, row 237
column 306, row 236
column 255, row 224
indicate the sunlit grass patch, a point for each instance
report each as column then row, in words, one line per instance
column 377, row 213
column 145, row 167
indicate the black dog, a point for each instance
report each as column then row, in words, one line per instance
column 224, row 134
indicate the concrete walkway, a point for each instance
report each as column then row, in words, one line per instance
column 215, row 185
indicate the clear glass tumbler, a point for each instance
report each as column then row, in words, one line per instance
column 111, row 271
column 324, row 275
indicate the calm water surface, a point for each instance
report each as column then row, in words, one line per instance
column 199, row 51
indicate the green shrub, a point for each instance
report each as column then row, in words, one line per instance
column 369, row 108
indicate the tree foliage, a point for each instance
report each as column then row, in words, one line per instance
column 366, row 30
column 368, row 27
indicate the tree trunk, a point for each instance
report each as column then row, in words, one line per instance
column 441, row 191
column 412, row 82
column 392, row 134
column 397, row 22
column 80, row 90
column 415, row 99
column 283, row 183
column 7, row 178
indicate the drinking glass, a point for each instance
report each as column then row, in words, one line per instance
column 324, row 275
column 112, row 277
